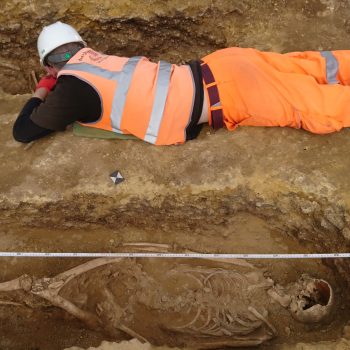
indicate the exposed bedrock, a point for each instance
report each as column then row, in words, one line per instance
column 175, row 30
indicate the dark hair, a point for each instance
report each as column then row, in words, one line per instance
column 62, row 54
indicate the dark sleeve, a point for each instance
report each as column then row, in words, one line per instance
column 24, row 130
column 193, row 129
column 71, row 100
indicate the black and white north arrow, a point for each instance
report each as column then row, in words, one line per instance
column 116, row 177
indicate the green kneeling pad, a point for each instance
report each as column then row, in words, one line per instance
column 86, row 131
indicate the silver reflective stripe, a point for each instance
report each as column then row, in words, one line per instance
column 124, row 80
column 159, row 102
column 332, row 67
column 85, row 67
column 218, row 104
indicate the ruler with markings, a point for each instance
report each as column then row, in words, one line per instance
column 174, row 255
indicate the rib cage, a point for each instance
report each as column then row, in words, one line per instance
column 221, row 307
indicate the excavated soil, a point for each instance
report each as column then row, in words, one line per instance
column 256, row 190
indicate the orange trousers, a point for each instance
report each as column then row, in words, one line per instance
column 309, row 90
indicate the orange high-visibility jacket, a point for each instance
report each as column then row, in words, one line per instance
column 152, row 101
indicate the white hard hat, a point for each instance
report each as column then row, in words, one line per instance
column 55, row 35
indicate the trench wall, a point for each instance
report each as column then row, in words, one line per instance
column 296, row 182
column 174, row 30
